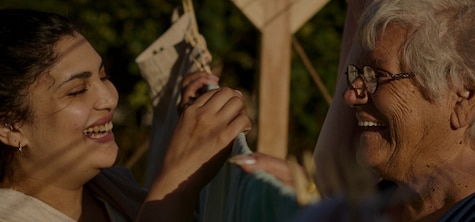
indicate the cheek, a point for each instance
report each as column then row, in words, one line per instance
column 402, row 108
column 403, row 116
column 72, row 119
column 76, row 116
column 405, row 122
column 57, row 130
column 412, row 126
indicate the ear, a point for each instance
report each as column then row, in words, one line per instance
column 10, row 136
column 464, row 109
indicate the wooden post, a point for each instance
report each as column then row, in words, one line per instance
column 277, row 20
column 274, row 84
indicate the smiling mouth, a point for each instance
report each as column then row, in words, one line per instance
column 99, row 131
column 369, row 124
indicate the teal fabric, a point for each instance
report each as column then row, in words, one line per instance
column 235, row 196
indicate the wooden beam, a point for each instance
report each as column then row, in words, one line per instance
column 300, row 11
column 274, row 84
column 277, row 20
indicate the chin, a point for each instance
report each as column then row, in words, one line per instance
column 368, row 157
column 378, row 162
column 108, row 157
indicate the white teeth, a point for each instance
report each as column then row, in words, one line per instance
column 97, row 135
column 98, row 131
column 367, row 123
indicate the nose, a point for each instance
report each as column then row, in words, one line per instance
column 356, row 93
column 107, row 96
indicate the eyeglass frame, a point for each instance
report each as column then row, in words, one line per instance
column 377, row 75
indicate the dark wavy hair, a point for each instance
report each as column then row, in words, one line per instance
column 27, row 43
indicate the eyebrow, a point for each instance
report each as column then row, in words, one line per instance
column 81, row 75
column 372, row 62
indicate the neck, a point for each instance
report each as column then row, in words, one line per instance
column 430, row 193
column 62, row 191
column 409, row 205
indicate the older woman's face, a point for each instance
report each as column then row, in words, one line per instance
column 72, row 107
column 399, row 131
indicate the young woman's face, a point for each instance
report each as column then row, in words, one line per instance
column 72, row 107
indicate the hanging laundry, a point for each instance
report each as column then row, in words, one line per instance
column 232, row 195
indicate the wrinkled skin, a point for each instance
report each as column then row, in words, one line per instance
column 419, row 144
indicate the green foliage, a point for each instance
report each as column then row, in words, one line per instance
column 321, row 39
column 120, row 30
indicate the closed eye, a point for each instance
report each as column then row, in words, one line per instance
column 77, row 93
column 102, row 73
column 106, row 77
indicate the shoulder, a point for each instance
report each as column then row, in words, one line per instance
column 462, row 211
column 340, row 209
column 16, row 206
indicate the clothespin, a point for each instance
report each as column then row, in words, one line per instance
column 194, row 35
column 305, row 188
column 203, row 58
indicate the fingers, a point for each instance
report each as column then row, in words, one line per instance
column 220, row 99
column 193, row 86
column 289, row 173
column 193, row 83
column 227, row 106
column 257, row 161
column 221, row 112
column 226, row 103
column 205, row 131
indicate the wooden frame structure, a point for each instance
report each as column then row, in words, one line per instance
column 277, row 20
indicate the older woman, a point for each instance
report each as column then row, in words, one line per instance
column 57, row 145
column 412, row 89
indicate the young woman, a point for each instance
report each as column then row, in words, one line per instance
column 57, row 148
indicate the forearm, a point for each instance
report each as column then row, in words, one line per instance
column 171, row 198
column 334, row 153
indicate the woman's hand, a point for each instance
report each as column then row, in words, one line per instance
column 277, row 167
column 288, row 172
column 193, row 86
column 199, row 146
column 207, row 128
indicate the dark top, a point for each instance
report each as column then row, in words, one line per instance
column 120, row 193
column 339, row 209
column 462, row 211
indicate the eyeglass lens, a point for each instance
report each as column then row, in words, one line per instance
column 369, row 77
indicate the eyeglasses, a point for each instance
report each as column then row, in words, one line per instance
column 370, row 77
